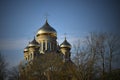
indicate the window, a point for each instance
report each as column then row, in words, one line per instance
column 48, row 46
column 26, row 58
column 43, row 46
column 31, row 55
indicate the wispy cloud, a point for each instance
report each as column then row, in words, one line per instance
column 71, row 39
column 13, row 44
column 20, row 43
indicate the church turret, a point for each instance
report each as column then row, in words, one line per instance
column 33, row 44
column 33, row 47
column 65, row 48
column 26, row 53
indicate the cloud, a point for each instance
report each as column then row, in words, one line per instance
column 71, row 39
column 20, row 43
column 13, row 44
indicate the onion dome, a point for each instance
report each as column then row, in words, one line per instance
column 65, row 44
column 47, row 29
column 26, row 49
column 33, row 43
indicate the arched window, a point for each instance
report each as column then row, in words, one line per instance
column 53, row 47
column 43, row 45
column 48, row 46
column 26, row 58
column 31, row 55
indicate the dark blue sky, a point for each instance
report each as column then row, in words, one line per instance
column 20, row 19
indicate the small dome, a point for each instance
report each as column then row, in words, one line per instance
column 47, row 29
column 26, row 49
column 33, row 43
column 65, row 44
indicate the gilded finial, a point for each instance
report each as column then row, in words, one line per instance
column 46, row 16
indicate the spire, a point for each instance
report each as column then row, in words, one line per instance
column 46, row 21
column 34, row 37
column 65, row 37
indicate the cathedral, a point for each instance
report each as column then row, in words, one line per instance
column 44, row 41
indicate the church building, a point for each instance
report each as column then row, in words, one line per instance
column 44, row 41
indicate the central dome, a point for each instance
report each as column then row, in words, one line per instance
column 46, row 29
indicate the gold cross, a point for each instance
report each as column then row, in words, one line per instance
column 65, row 35
column 46, row 16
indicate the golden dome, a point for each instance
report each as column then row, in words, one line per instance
column 65, row 44
column 26, row 49
column 47, row 29
column 33, row 43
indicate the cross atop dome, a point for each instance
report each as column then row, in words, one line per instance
column 46, row 16
column 65, row 35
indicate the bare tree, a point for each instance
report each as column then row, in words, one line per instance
column 84, row 60
column 3, row 69
column 101, row 50
column 113, row 45
column 45, row 66
column 90, row 60
column 14, row 73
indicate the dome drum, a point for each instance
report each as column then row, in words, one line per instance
column 46, row 37
column 42, row 38
column 33, row 45
column 46, row 33
column 65, row 46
